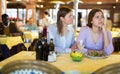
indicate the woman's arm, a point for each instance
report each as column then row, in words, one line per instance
column 108, row 44
column 108, row 48
column 106, row 38
column 80, row 37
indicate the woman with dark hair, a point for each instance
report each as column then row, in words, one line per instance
column 61, row 32
column 94, row 37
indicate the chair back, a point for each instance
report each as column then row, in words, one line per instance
column 4, row 52
column 30, row 67
column 109, row 69
column 116, row 44
column 17, row 48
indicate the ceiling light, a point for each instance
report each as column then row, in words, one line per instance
column 39, row 0
column 41, row 6
column 99, row 2
column 7, row 1
column 55, row 1
column 116, row 0
column 18, row 0
column 114, row 6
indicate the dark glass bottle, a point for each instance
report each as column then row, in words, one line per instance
column 45, row 48
column 44, row 31
column 39, row 50
column 51, row 45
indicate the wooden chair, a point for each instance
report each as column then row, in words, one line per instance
column 30, row 67
column 116, row 44
column 109, row 69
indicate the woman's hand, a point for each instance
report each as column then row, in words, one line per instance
column 103, row 28
column 106, row 38
column 77, row 46
column 74, row 47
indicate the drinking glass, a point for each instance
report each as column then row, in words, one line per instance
column 27, row 43
column 80, row 44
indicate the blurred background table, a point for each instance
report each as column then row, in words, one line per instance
column 30, row 34
column 65, row 63
column 11, row 41
column 115, row 34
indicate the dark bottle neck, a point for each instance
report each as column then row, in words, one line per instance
column 40, row 35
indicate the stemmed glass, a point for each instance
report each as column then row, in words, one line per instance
column 27, row 43
column 80, row 44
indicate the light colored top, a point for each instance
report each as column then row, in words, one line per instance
column 62, row 43
column 31, row 27
column 86, row 37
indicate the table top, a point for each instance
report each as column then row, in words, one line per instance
column 11, row 41
column 30, row 34
column 65, row 63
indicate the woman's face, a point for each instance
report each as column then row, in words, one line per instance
column 68, row 19
column 98, row 19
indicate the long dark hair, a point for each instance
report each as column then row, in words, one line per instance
column 63, row 11
column 91, row 15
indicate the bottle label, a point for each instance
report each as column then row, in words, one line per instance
column 50, row 58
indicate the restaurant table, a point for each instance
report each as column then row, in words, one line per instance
column 115, row 34
column 65, row 63
column 31, row 35
column 11, row 41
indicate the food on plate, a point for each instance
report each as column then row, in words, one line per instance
column 96, row 54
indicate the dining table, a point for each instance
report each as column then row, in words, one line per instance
column 65, row 63
column 115, row 34
column 33, row 34
column 10, row 41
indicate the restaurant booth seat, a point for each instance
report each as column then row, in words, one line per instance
column 109, row 69
column 29, row 67
column 4, row 52
column 17, row 48
column 33, row 44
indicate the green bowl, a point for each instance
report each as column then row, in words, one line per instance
column 77, row 58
